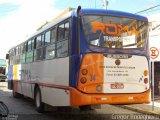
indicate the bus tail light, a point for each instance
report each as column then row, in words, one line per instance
column 99, row 88
column 145, row 73
column 146, row 80
column 84, row 71
column 83, row 80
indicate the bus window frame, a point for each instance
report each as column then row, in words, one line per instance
column 90, row 46
column 68, row 20
column 45, row 33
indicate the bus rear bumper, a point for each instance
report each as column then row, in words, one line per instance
column 78, row 98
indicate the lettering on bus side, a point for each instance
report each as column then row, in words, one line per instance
column 116, row 29
column 26, row 74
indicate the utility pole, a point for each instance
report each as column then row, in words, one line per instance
column 105, row 3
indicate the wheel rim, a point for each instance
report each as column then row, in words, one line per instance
column 38, row 99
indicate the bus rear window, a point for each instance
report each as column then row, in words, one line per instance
column 115, row 32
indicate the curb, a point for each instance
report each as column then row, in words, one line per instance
column 139, row 110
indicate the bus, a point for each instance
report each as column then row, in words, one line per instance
column 3, row 70
column 82, row 58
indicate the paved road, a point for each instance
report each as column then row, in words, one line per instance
column 25, row 110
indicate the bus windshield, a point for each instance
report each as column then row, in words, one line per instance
column 115, row 32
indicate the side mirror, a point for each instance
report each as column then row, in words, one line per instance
column 78, row 10
column 7, row 56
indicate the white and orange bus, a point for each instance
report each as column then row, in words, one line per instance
column 84, row 57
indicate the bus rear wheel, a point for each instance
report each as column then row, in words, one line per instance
column 38, row 101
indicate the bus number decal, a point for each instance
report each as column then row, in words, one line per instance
column 92, row 77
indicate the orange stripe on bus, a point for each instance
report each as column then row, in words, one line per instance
column 78, row 98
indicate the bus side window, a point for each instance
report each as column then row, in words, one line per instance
column 29, row 45
column 50, row 50
column 66, row 32
column 34, row 45
column 23, row 48
column 23, row 53
column 18, row 55
column 38, row 41
column 47, row 38
column 16, row 51
column 61, row 32
column 62, row 42
column 43, row 39
column 14, row 57
column 29, row 54
column 38, row 53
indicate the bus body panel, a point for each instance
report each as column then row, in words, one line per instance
column 104, row 75
column 128, row 77
column 51, row 75
column 122, row 98
column 26, row 89
column 51, row 72
column 55, row 96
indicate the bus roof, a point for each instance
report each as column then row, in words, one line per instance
column 91, row 11
column 72, row 12
column 52, row 23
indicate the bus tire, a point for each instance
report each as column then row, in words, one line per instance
column 38, row 101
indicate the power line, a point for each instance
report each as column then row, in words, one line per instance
column 148, row 9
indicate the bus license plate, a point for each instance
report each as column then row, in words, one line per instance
column 117, row 86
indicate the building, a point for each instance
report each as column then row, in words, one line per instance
column 154, row 42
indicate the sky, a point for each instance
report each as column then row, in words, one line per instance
column 20, row 18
